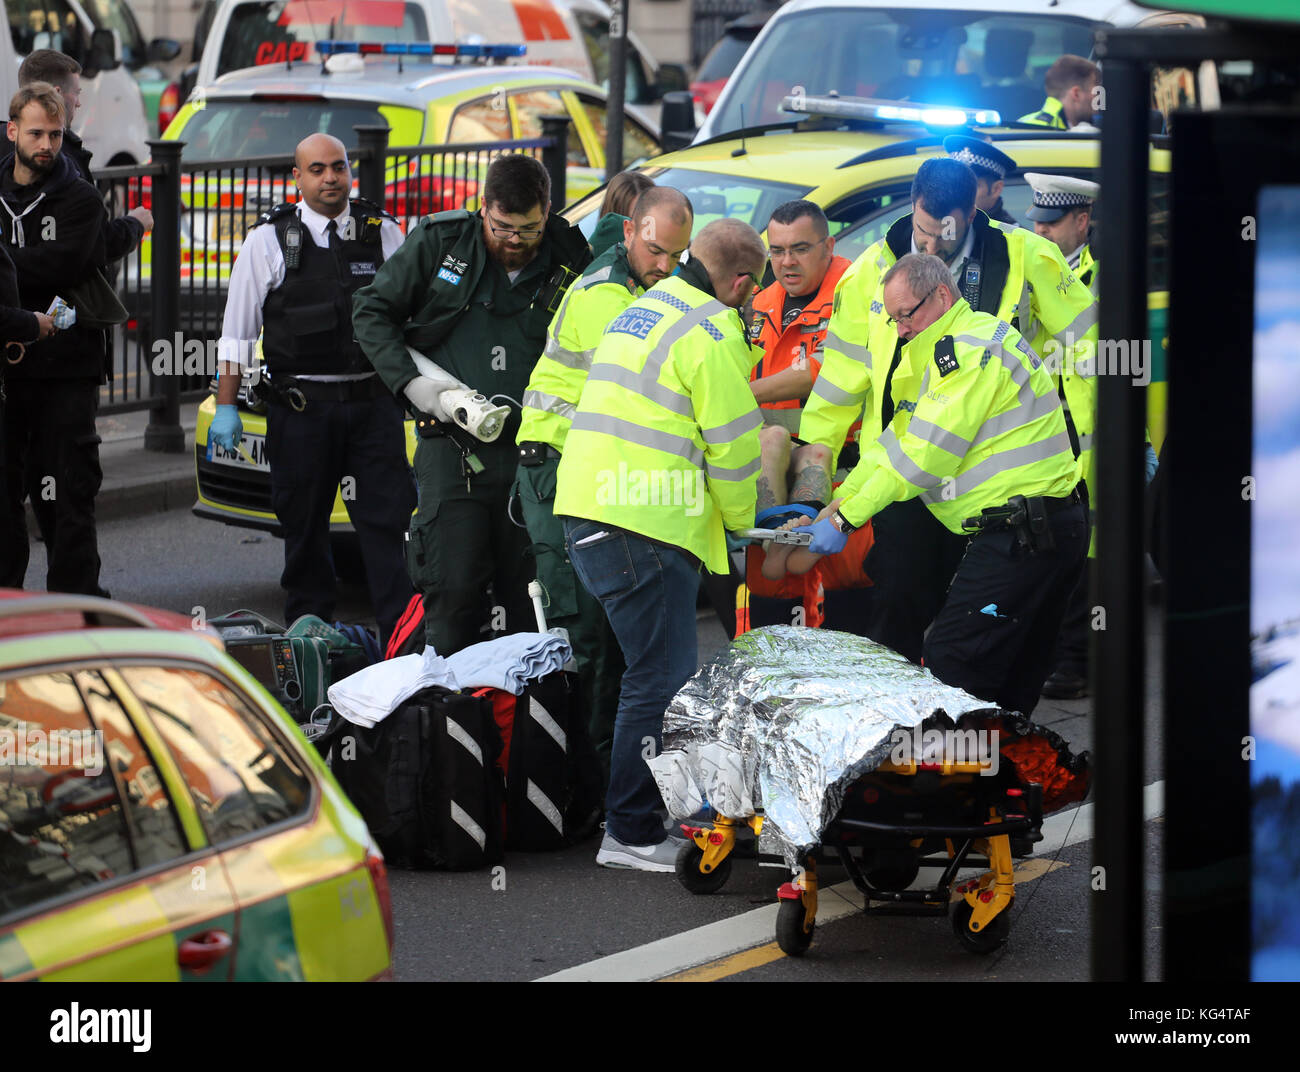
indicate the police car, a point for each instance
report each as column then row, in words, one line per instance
column 162, row 818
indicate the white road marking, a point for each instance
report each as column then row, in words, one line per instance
column 754, row 928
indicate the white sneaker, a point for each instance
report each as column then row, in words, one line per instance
column 661, row 857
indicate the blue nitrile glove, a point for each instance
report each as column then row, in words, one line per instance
column 827, row 539
column 226, row 429
column 1153, row 463
column 735, row 543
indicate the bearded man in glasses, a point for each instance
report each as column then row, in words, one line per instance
column 474, row 293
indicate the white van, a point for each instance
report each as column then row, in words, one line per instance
column 111, row 120
column 234, row 34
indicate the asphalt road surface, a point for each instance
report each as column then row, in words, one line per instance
column 558, row 914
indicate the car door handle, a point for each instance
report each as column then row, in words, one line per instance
column 202, row 951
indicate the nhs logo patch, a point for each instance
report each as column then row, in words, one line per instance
column 636, row 322
column 450, row 276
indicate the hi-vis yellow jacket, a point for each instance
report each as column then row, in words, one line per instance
column 977, row 420
column 1025, row 281
column 603, row 291
column 665, row 439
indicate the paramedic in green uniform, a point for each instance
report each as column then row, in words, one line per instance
column 474, row 293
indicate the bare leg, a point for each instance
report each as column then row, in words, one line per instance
column 774, row 461
column 801, row 559
column 811, row 468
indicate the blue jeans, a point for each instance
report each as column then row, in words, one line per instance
column 648, row 592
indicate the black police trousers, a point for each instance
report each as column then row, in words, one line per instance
column 51, row 449
column 912, row 558
column 995, row 634
column 361, row 444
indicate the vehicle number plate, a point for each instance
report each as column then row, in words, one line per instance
column 253, row 445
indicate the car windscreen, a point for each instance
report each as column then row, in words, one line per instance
column 725, row 55
column 234, row 130
column 966, row 58
column 279, row 31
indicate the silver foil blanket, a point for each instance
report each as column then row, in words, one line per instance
column 787, row 719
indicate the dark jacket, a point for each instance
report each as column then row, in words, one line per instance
column 62, row 245
column 16, row 324
column 121, row 235
column 608, row 232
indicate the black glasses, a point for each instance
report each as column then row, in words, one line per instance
column 757, row 282
column 799, row 251
column 906, row 318
column 525, row 233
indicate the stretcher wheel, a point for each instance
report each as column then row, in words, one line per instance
column 988, row 940
column 790, row 934
column 695, row 880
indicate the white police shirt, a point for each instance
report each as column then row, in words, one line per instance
column 259, row 269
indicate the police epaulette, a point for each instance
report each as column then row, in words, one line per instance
column 275, row 212
column 451, row 215
column 371, row 208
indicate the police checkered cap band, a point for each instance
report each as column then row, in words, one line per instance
column 975, row 160
column 1046, row 200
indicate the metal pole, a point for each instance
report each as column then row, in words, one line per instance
column 1118, row 653
column 617, row 88
column 373, row 141
column 555, row 157
column 164, row 432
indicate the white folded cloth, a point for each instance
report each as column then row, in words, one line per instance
column 510, row 662
column 369, row 696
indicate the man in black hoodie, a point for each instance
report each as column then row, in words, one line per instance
column 52, row 226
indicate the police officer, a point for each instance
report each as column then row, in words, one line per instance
column 1008, row 272
column 329, row 418
column 661, row 455
column 979, row 436
column 1062, row 213
column 1069, row 83
column 991, row 167
column 474, row 293
column 654, row 236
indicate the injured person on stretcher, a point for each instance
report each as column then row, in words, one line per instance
column 781, row 560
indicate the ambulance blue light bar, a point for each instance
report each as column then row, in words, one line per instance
column 891, row 111
column 419, row 48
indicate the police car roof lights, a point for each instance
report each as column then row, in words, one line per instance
column 420, row 48
column 883, row 111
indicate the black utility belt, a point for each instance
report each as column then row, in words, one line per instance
column 533, row 453
column 296, row 393
column 1027, row 517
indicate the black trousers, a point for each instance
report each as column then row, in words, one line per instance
column 51, row 446
column 995, row 634
column 462, row 540
column 910, row 564
column 361, row 444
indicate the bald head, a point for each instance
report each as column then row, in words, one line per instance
column 323, row 174
column 734, row 256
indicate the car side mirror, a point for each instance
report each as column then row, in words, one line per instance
column 676, row 120
column 162, row 49
column 105, row 51
column 188, row 77
column 671, row 78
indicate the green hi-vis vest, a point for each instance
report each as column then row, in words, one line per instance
column 589, row 307
column 977, row 420
column 665, row 439
column 1052, row 114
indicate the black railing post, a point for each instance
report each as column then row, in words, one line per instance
column 373, row 141
column 164, row 432
column 555, row 157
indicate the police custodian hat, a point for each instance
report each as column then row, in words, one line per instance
column 1054, row 195
column 979, row 155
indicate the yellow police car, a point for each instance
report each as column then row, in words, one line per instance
column 161, row 818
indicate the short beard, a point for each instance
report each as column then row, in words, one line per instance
column 34, row 166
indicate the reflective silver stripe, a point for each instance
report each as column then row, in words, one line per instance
column 461, row 818
column 1085, row 442
column 457, row 733
column 938, row 437
column 559, row 319
column 543, row 718
column 595, row 277
column 903, row 465
column 836, row 396
column 670, row 337
column 646, row 387
column 1002, row 462
column 549, row 404
column 1024, row 310
column 1025, row 413
column 574, row 359
column 545, row 805
column 849, row 349
column 725, row 433
column 629, row 432
column 716, row 472
column 1079, row 326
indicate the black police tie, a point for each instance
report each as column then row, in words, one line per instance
column 887, row 402
column 336, row 248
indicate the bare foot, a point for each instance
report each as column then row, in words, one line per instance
column 774, row 562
